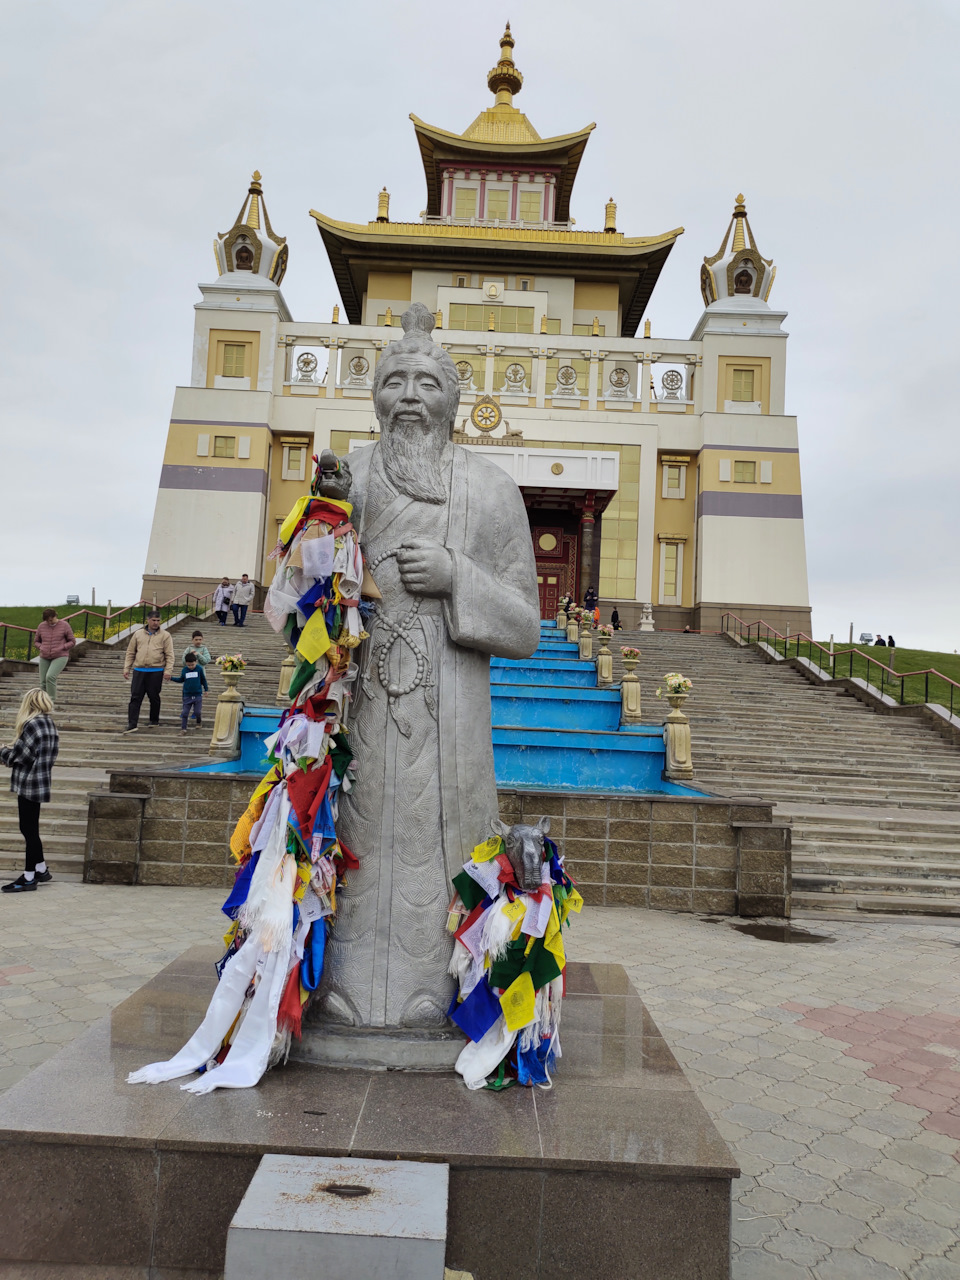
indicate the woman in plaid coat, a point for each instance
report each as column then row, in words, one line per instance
column 31, row 760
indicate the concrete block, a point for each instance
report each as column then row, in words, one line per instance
column 340, row 1219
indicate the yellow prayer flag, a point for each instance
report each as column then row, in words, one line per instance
column 517, row 1003
column 314, row 639
column 572, row 902
column 553, row 938
column 487, row 851
column 296, row 511
column 516, row 910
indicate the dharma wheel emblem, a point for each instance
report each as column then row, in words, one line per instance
column 515, row 375
column 307, row 366
column 566, row 375
column 486, row 415
column 620, row 378
column 671, row 382
column 359, row 366
column 464, row 370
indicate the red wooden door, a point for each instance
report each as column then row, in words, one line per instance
column 556, row 554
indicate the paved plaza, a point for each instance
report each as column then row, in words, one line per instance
column 832, row 1069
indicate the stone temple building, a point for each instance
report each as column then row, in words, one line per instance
column 655, row 469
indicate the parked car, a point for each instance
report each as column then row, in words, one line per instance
column 866, row 637
column 73, row 599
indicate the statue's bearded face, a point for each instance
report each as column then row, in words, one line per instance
column 415, row 409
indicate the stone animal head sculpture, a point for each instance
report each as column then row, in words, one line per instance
column 525, row 850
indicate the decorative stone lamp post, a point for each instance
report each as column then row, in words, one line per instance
column 676, row 729
column 604, row 659
column 586, row 638
column 226, row 725
column 630, row 687
column 287, row 668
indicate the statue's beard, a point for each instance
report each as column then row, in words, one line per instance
column 413, row 459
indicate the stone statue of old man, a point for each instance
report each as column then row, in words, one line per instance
column 446, row 537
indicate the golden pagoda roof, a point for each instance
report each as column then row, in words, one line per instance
column 355, row 249
column 500, row 135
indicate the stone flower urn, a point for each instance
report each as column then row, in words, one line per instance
column 231, row 678
column 677, row 700
column 629, row 664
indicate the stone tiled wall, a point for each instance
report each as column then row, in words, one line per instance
column 675, row 854
column 164, row 828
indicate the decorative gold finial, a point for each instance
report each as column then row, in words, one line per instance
column 336, row 315
column 504, row 80
column 388, row 317
column 438, row 319
column 740, row 216
column 257, row 175
column 383, row 206
column 610, row 216
column 543, row 323
column 646, row 328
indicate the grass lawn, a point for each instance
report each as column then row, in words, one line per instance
column 916, row 688
column 16, row 638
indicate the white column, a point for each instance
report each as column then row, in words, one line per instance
column 644, row 374
column 646, row 508
column 592, row 378
column 488, row 353
column 333, row 367
column 540, row 376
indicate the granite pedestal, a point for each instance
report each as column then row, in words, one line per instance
column 340, row 1219
column 618, row 1162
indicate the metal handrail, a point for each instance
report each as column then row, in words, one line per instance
column 109, row 623
column 888, row 676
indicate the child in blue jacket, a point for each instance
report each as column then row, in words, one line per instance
column 194, row 683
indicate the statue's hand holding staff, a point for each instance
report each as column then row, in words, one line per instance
column 426, row 567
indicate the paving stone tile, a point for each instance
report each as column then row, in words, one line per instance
column 835, row 1229
column 758, row 1264
column 848, row 1264
column 798, row 1184
column 874, row 1187
column 935, row 1269
column 852, row 1205
column 793, row 1246
column 836, row 1145
column 765, row 1200
column 883, row 1249
column 753, row 1230
column 908, row 1228
column 920, row 1157
column 770, row 1146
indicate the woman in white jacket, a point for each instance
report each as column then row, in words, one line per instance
column 221, row 600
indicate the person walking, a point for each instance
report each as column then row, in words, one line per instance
column 194, row 681
column 30, row 760
column 221, row 600
column 590, row 599
column 197, row 646
column 54, row 640
column 242, row 599
column 615, row 620
column 150, row 661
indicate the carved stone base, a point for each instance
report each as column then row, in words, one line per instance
column 604, row 667
column 379, row 1048
column 630, row 699
column 573, row 631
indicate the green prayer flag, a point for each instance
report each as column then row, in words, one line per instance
column 470, row 892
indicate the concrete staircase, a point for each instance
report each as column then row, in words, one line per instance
column 91, row 715
column 874, row 801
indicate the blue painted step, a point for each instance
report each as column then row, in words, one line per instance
column 545, row 671
column 553, row 707
column 569, row 760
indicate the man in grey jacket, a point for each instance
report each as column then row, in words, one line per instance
column 242, row 599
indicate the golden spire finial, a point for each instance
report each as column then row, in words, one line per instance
column 610, row 215
column 256, row 176
column 740, row 217
column 504, row 80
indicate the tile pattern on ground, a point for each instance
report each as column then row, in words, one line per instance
column 841, row 1176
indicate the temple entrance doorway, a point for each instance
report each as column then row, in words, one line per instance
column 555, row 548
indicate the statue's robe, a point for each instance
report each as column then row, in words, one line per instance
column 424, row 793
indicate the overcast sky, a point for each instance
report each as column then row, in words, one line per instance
column 131, row 130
